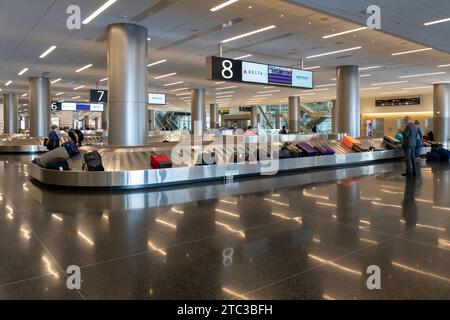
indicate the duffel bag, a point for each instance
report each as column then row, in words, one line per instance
column 44, row 159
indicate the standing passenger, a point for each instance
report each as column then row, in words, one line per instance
column 409, row 145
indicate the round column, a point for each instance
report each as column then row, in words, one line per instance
column 197, row 111
column 39, row 109
column 127, row 82
column 213, row 115
column 105, row 117
column 10, row 115
column 441, row 111
column 294, row 113
column 254, row 117
column 151, row 120
column 348, row 111
column 333, row 116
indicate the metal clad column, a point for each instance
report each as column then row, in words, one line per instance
column 348, row 111
column 86, row 122
column 197, row 111
column 333, row 117
column 213, row 115
column 151, row 120
column 10, row 116
column 127, row 81
column 254, row 117
column 294, row 113
column 441, row 110
column 39, row 109
column 105, row 117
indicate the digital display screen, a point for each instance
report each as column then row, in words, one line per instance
column 224, row 69
column 157, row 98
column 73, row 106
column 302, row 79
column 254, row 72
column 280, row 75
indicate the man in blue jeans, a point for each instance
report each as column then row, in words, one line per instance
column 409, row 146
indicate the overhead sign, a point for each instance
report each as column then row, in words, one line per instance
column 74, row 106
column 99, row 95
column 224, row 69
column 157, row 98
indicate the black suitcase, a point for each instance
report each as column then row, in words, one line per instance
column 57, row 164
column 93, row 161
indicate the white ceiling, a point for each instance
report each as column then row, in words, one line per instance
column 182, row 32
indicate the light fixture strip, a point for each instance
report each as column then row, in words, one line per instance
column 156, row 63
column 85, row 67
column 223, row 5
column 422, row 75
column 226, row 88
column 173, row 83
column 55, row 81
column 312, row 68
column 370, row 68
column 386, row 83
column 165, row 75
column 23, row 71
column 180, row 89
column 344, row 32
column 430, row 23
column 333, row 52
column 325, row 85
column 411, row 51
column 243, row 57
column 47, row 52
column 249, row 34
column 77, row 88
column 269, row 91
column 105, row 6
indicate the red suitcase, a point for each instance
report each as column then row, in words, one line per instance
column 160, row 161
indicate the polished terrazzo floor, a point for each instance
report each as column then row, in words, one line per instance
column 296, row 236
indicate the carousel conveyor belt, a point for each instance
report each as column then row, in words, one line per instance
column 129, row 168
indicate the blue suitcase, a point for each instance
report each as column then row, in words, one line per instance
column 310, row 151
column 324, row 150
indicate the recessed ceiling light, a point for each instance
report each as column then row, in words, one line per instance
column 105, row 6
column 226, row 88
column 370, row 68
column 269, row 91
column 312, row 68
column 84, row 68
column 436, row 22
column 77, row 88
column 411, row 51
column 55, row 81
column 365, row 89
column 23, row 71
column 344, row 32
column 173, row 83
column 386, row 83
column 149, row 39
column 243, row 57
column 223, row 5
column 333, row 52
column 157, row 62
column 326, row 85
column 165, row 75
column 104, row 79
column 25, row 94
column 77, row 97
column 8, row 83
column 249, row 34
column 422, row 75
column 59, row 93
column 47, row 52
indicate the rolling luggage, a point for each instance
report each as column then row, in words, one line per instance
column 324, row 150
column 71, row 148
column 295, row 151
column 59, row 152
column 160, row 161
column 285, row 154
column 58, row 164
column 93, row 161
column 310, row 151
column 349, row 142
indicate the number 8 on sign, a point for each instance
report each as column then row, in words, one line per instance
column 227, row 72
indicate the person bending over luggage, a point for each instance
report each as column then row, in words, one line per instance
column 73, row 135
column 409, row 145
column 283, row 130
column 53, row 138
column 399, row 135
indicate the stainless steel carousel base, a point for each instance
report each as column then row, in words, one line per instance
column 22, row 144
column 116, row 177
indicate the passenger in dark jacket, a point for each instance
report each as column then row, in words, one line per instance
column 409, row 145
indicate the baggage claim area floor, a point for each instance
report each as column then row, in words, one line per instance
column 335, row 220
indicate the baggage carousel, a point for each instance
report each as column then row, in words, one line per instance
column 129, row 167
column 22, row 143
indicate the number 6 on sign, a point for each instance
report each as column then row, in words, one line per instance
column 227, row 71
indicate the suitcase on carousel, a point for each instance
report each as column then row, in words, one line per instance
column 49, row 156
column 285, row 154
column 58, row 164
column 160, row 161
column 350, row 141
column 71, row 148
column 310, row 151
column 93, row 161
column 295, row 151
column 324, row 150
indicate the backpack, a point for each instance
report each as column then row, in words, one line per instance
column 52, row 141
column 80, row 135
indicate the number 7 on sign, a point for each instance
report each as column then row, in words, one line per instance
column 102, row 93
